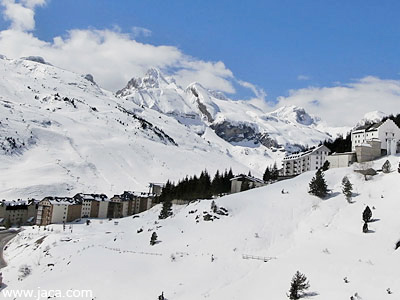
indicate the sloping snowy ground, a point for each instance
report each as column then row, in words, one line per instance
column 61, row 134
column 321, row 238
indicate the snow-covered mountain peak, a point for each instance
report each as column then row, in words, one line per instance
column 37, row 59
column 295, row 114
column 153, row 79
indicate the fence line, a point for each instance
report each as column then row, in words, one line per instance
column 130, row 251
column 263, row 258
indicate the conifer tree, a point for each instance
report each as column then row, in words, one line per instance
column 267, row 174
column 298, row 286
column 153, row 239
column 249, row 174
column 347, row 188
column 325, row 166
column 367, row 214
column 166, row 209
column 216, row 184
column 386, row 167
column 274, row 172
column 318, row 186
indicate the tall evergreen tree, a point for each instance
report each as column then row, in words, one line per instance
column 274, row 172
column 367, row 214
column 216, row 184
column 166, row 209
column 347, row 188
column 298, row 286
column 318, row 186
column 267, row 174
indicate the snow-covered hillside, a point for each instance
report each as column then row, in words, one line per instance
column 198, row 259
column 60, row 133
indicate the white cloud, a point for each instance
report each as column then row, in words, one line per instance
column 345, row 104
column 258, row 92
column 33, row 3
column 140, row 31
column 303, row 77
column 111, row 56
column 21, row 14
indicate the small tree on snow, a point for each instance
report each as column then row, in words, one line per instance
column 318, row 186
column 153, row 239
column 386, row 168
column 214, row 207
column 298, row 286
column 367, row 214
column 347, row 188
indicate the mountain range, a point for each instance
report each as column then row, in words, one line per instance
column 61, row 133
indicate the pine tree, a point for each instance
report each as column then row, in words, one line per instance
column 367, row 214
column 386, row 167
column 298, row 286
column 318, row 186
column 153, row 239
column 166, row 209
column 216, row 184
column 267, row 174
column 274, row 172
column 325, row 166
column 347, row 188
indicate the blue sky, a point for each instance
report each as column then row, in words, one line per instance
column 275, row 45
column 270, row 43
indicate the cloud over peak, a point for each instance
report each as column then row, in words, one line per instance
column 345, row 104
column 111, row 55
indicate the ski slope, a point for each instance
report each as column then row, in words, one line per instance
column 204, row 260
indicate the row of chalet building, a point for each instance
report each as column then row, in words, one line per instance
column 58, row 210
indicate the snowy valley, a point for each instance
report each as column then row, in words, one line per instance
column 199, row 259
